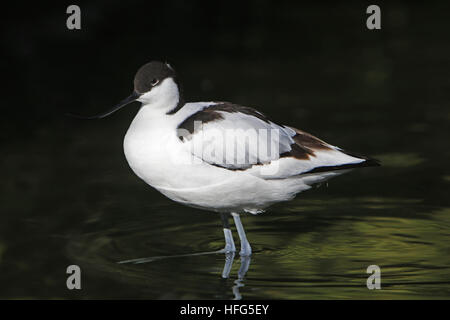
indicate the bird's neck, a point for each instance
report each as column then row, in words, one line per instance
column 179, row 101
column 158, row 113
column 166, row 98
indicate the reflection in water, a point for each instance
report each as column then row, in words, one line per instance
column 312, row 248
column 239, row 282
column 400, row 160
column 229, row 259
column 151, row 259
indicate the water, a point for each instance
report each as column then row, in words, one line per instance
column 318, row 254
column 68, row 196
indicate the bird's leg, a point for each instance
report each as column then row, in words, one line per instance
column 229, row 257
column 246, row 249
column 229, row 243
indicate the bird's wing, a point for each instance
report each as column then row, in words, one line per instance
column 240, row 138
column 234, row 137
column 311, row 156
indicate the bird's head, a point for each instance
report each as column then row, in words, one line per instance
column 155, row 85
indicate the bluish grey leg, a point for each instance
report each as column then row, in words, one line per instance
column 229, row 242
column 229, row 257
column 246, row 249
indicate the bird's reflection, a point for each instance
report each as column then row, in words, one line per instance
column 239, row 282
column 229, row 259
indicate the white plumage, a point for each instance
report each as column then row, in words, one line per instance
column 219, row 156
column 171, row 165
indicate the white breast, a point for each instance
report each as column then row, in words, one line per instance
column 157, row 156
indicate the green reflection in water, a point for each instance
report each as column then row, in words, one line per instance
column 297, row 256
column 400, row 160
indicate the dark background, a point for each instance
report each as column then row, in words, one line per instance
column 311, row 65
column 215, row 45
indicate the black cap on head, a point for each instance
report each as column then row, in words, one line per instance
column 147, row 77
column 150, row 75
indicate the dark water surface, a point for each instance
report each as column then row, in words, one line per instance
column 69, row 197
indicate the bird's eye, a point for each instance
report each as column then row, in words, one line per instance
column 154, row 82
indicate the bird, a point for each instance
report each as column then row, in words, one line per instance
column 220, row 156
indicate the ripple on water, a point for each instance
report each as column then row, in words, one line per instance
column 306, row 251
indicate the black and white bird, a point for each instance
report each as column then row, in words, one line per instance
column 221, row 156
